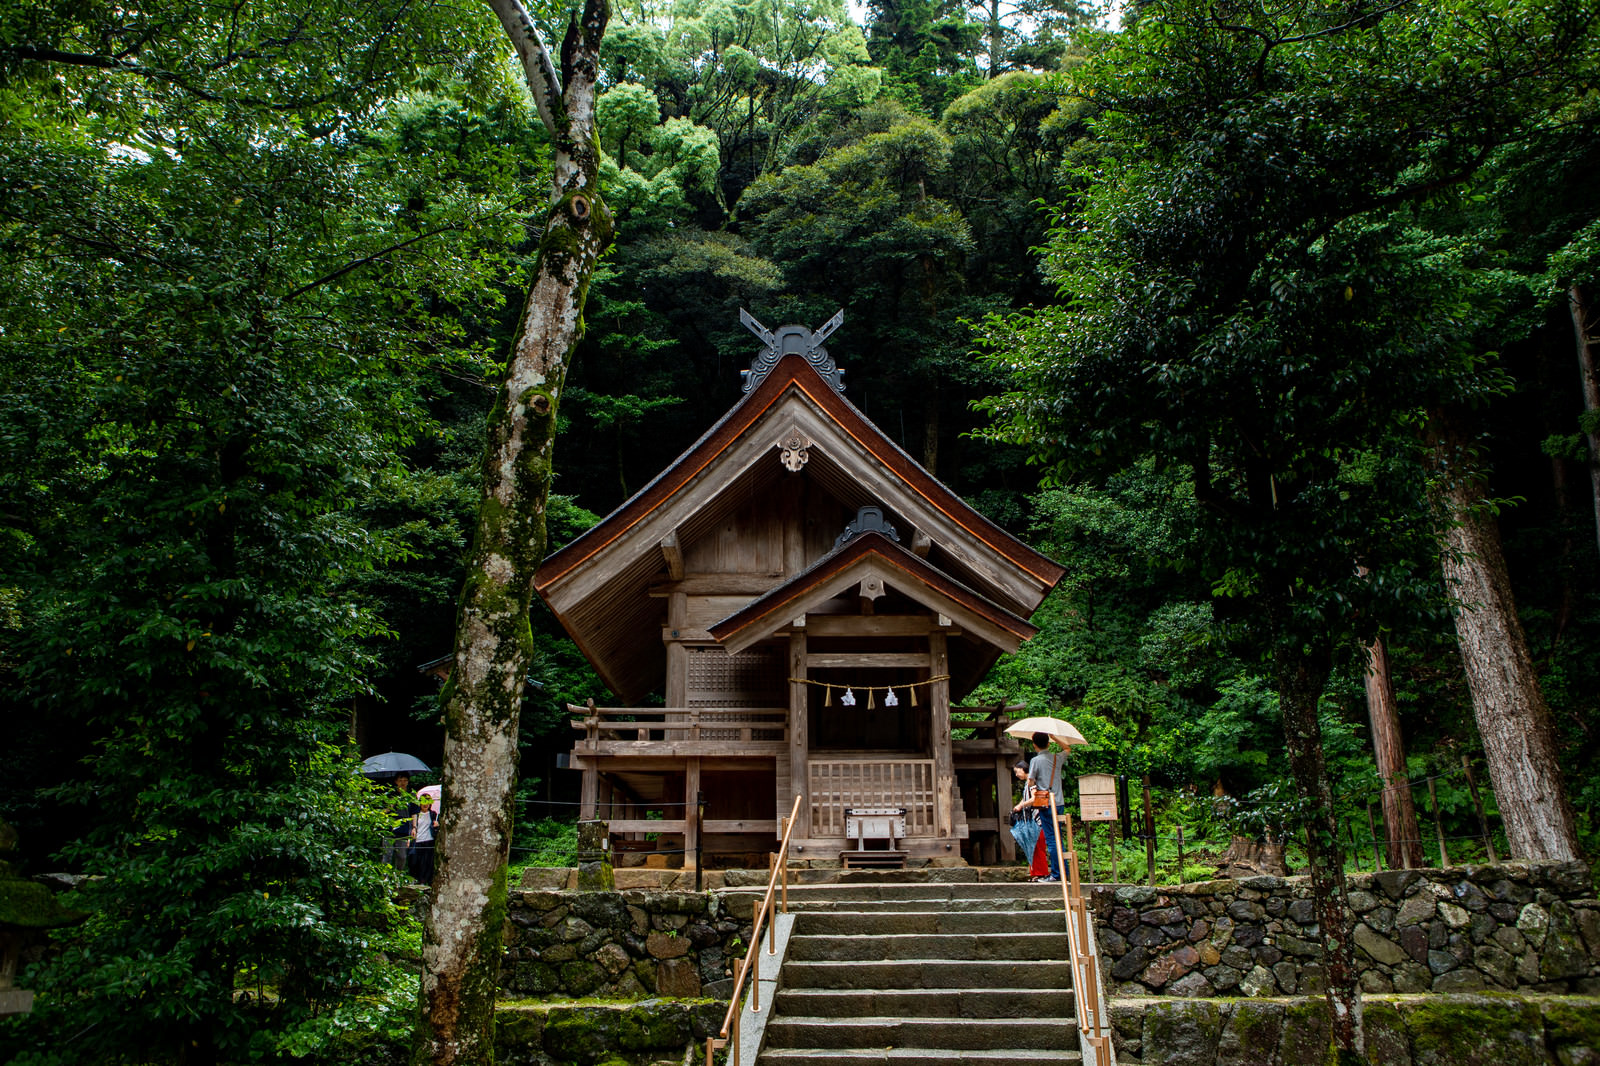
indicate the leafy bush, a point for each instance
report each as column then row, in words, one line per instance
column 545, row 842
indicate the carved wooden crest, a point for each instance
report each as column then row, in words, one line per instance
column 794, row 448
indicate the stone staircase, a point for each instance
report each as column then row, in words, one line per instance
column 923, row 973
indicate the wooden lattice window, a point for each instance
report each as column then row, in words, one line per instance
column 752, row 678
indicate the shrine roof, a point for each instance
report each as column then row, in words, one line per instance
column 599, row 585
column 865, row 555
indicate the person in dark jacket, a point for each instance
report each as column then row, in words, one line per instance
column 404, row 806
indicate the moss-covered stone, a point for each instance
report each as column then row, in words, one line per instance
column 654, row 1025
column 594, row 1033
column 535, row 978
column 602, row 910
column 519, row 1027
column 1182, row 1032
column 1479, row 1030
column 1251, row 1035
column 1307, row 1034
column 1572, row 1030
column 1564, row 952
column 583, row 1035
column 582, row 977
column 1387, row 1042
column 30, row 905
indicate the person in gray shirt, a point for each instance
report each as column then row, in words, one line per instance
column 1044, row 774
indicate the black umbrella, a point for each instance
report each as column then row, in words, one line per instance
column 391, row 763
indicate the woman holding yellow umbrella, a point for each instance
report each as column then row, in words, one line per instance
column 1044, row 774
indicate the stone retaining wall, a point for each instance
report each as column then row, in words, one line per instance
column 1512, row 926
column 1422, row 1030
column 626, row 945
column 657, row 1032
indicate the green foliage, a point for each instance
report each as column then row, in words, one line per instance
column 239, row 259
column 544, row 841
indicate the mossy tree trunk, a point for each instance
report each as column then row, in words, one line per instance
column 463, row 937
column 1513, row 718
column 1301, row 672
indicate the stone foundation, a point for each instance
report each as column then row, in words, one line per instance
column 1420, row 1030
column 625, row 944
column 652, row 1031
column 1511, row 926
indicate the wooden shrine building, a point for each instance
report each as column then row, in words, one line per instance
column 811, row 603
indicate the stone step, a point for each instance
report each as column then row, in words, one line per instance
column 900, row 890
column 925, row 1003
column 961, row 947
column 878, row 922
column 911, row 1056
column 943, row 1034
column 742, row 906
column 928, row 973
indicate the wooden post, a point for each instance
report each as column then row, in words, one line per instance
column 677, row 682
column 590, row 796
column 1072, row 852
column 691, row 811
column 755, row 973
column 799, row 731
column 1113, row 828
column 1088, row 848
column 1149, row 833
column 1477, row 803
column 944, row 775
column 1438, row 824
column 1002, row 803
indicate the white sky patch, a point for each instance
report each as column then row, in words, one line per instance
column 1112, row 18
column 128, row 152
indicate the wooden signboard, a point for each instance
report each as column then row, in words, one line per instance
column 1097, row 798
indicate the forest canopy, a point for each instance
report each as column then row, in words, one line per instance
column 1274, row 328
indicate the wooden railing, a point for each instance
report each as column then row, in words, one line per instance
column 750, row 968
column 1088, row 997
column 985, row 728
column 836, row 785
column 679, row 731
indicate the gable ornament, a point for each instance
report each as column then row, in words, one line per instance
column 794, row 450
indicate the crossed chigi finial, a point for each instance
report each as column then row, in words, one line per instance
column 792, row 339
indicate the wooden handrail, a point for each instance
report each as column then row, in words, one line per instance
column 752, row 958
column 1088, row 998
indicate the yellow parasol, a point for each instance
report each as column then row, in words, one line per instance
column 1063, row 733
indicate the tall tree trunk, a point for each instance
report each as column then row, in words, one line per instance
column 1301, row 674
column 1591, row 393
column 930, row 430
column 1568, row 602
column 1389, row 751
column 994, row 38
column 1513, row 718
column 462, row 939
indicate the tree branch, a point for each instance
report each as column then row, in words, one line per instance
column 364, row 260
column 540, row 73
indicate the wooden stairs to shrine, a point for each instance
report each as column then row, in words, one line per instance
column 901, row 973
